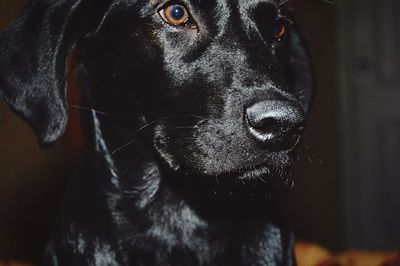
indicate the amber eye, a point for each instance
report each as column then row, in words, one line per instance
column 279, row 30
column 175, row 15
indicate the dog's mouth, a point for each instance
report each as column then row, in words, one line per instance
column 258, row 175
column 260, row 181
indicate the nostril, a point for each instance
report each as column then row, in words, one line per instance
column 265, row 124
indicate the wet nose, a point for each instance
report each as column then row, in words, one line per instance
column 275, row 124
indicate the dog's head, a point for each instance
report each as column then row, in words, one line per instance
column 222, row 87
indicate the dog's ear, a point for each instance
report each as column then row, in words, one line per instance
column 34, row 51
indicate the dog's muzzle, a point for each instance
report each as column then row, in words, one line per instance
column 277, row 125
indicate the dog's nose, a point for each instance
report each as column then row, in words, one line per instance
column 275, row 124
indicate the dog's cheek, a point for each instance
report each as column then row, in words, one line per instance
column 217, row 146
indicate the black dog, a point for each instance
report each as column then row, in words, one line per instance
column 195, row 111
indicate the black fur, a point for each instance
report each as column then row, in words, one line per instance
column 175, row 174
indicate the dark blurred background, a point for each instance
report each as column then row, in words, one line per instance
column 348, row 176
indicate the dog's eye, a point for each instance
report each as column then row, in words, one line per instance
column 175, row 15
column 279, row 30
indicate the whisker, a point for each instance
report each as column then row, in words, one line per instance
column 300, row 92
column 83, row 108
column 134, row 133
column 308, row 156
column 148, row 125
column 181, row 127
column 329, row 2
column 262, row 179
column 283, row 2
column 123, row 146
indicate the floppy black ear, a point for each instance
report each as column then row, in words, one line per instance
column 34, row 51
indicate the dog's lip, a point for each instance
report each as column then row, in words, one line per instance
column 247, row 172
column 262, row 171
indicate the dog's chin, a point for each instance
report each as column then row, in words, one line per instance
column 262, row 168
column 260, row 180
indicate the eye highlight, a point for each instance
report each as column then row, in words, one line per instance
column 175, row 15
